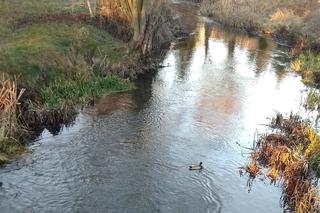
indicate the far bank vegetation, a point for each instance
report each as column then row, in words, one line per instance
column 297, row 16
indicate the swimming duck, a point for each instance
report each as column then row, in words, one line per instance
column 196, row 167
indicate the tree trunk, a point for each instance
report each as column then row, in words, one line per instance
column 145, row 17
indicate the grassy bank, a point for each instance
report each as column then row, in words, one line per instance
column 11, row 11
column 41, row 53
column 51, row 61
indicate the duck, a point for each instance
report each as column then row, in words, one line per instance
column 196, row 167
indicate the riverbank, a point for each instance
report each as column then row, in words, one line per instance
column 295, row 23
column 289, row 156
column 290, row 150
column 54, row 58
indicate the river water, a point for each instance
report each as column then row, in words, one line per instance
column 132, row 151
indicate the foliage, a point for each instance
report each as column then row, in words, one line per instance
column 308, row 64
column 291, row 156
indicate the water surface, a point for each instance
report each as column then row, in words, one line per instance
column 131, row 152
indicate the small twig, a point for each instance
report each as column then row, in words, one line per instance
column 90, row 9
column 244, row 146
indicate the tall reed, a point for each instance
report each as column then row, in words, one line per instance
column 9, row 101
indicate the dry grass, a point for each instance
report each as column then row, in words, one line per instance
column 238, row 14
column 291, row 155
column 301, row 16
column 9, row 127
column 9, row 101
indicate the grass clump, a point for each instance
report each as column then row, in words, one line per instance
column 81, row 89
column 291, row 156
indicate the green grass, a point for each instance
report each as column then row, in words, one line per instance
column 41, row 53
column 13, row 10
column 81, row 89
column 16, row 9
column 58, row 60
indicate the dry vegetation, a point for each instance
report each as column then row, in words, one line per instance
column 9, row 126
column 291, row 155
column 9, row 101
column 297, row 16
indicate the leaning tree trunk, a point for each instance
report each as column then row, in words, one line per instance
column 148, row 19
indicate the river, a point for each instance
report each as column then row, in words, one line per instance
column 131, row 152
